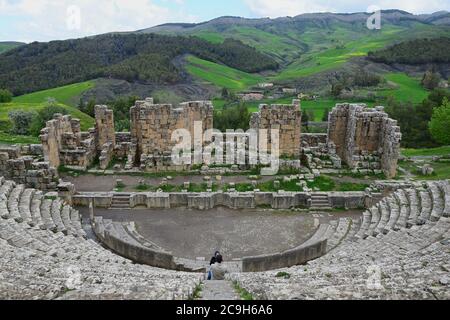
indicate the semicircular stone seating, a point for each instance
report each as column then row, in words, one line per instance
column 400, row 250
column 45, row 254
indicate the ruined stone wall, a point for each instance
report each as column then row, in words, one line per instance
column 313, row 139
column 20, row 164
column 365, row 138
column 152, row 126
column 287, row 119
column 64, row 144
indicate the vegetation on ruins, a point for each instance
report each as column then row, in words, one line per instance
column 418, row 51
column 133, row 57
column 243, row 293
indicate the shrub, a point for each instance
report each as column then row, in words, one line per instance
column 5, row 96
column 21, row 121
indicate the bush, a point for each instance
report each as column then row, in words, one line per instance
column 5, row 96
column 21, row 121
column 431, row 80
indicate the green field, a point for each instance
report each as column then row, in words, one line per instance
column 408, row 89
column 68, row 95
column 220, row 75
column 86, row 121
column 441, row 151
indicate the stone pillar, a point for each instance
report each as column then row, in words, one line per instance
column 104, row 127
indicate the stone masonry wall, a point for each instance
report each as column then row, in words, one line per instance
column 64, row 144
column 365, row 138
column 152, row 126
column 286, row 118
column 19, row 163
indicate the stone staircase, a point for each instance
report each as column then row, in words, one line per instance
column 121, row 201
column 218, row 290
column 319, row 201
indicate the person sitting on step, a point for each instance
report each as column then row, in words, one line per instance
column 218, row 270
column 213, row 261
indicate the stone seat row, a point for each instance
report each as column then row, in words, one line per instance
column 406, row 208
column 410, row 262
column 31, row 206
column 39, row 263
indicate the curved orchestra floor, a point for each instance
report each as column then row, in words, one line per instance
column 236, row 233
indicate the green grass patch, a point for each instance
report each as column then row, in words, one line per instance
column 408, row 89
column 68, row 95
column 323, row 183
column 284, row 275
column 196, row 294
column 221, row 75
column 441, row 151
column 7, row 138
column 244, row 294
column 348, row 186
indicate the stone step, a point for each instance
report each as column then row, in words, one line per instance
column 218, row 290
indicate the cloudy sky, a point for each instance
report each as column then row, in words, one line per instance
column 44, row 20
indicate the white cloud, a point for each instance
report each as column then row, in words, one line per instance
column 48, row 19
column 272, row 8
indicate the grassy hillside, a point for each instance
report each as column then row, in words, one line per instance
column 408, row 89
column 68, row 95
column 221, row 75
column 322, row 60
column 86, row 121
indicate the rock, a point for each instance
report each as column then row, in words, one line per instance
column 427, row 170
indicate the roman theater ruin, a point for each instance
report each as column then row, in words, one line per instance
column 71, row 227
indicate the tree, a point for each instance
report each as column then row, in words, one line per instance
column 225, row 93
column 5, row 96
column 431, row 80
column 440, row 123
column 21, row 121
column 336, row 89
